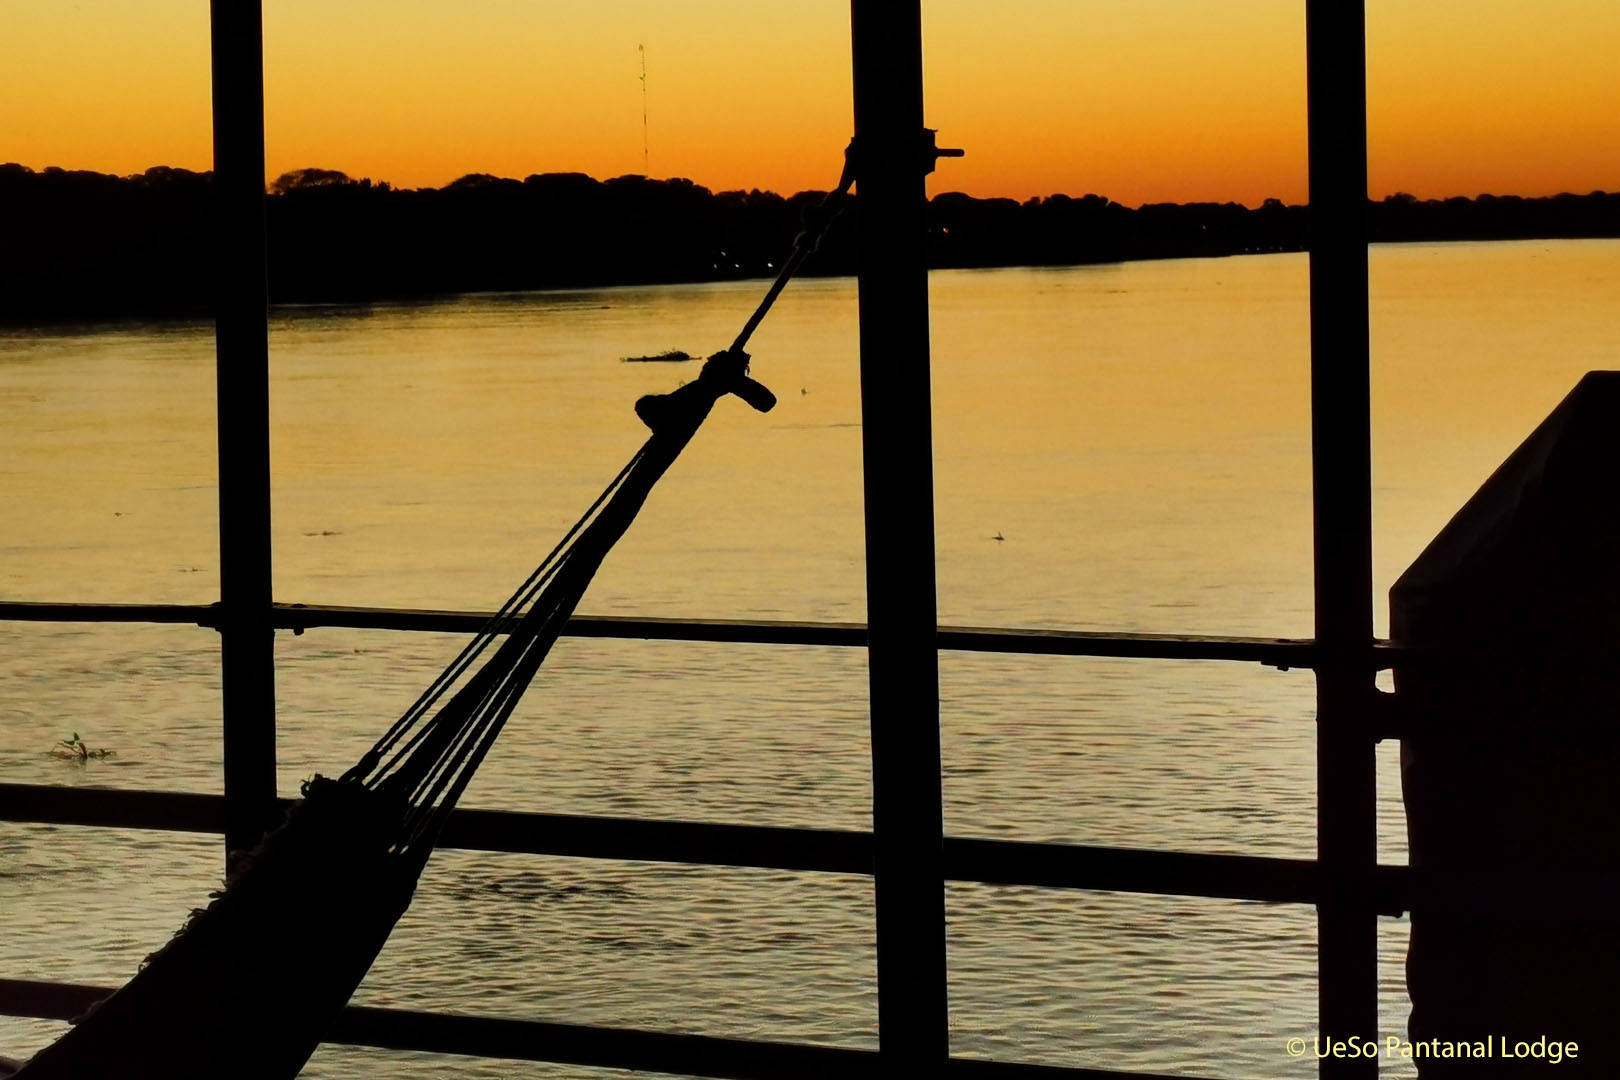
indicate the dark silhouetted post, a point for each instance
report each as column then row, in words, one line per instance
column 1509, row 755
column 241, row 340
column 892, row 161
column 1342, row 484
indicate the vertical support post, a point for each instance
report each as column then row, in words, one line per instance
column 891, row 163
column 241, row 336
column 1341, row 448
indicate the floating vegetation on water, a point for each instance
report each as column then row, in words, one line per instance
column 673, row 356
column 74, row 749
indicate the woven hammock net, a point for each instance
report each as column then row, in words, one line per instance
column 251, row 983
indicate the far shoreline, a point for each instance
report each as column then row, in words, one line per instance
column 89, row 248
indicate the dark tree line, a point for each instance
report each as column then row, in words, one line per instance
column 88, row 245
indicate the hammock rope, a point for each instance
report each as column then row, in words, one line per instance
column 250, row 985
column 429, row 759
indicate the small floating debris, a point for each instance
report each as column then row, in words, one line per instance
column 74, row 749
column 673, row 356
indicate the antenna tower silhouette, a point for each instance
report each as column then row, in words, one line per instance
column 642, row 49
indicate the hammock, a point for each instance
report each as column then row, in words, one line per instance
column 251, row 983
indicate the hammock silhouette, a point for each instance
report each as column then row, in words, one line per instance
column 251, row 983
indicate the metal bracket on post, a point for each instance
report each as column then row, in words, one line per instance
column 932, row 151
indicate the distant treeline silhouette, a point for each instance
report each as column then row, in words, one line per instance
column 89, row 245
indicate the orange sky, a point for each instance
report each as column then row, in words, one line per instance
column 1139, row 100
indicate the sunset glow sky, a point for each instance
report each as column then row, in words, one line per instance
column 1139, row 100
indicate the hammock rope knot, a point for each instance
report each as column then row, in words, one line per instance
column 726, row 372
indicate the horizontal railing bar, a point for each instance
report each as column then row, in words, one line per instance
column 1276, row 652
column 41, row 611
column 1281, row 653
column 575, row 1044
column 1273, row 652
column 757, row 847
column 167, row 811
column 995, row 862
column 1162, row 873
column 48, row 1000
column 620, row 1048
column 299, row 617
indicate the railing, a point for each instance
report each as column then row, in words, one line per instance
column 1281, row 653
column 1042, row 865
column 906, row 853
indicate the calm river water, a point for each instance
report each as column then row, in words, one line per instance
column 1138, row 435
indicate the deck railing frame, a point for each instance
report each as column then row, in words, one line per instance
column 907, row 854
column 1341, row 471
column 242, row 348
column 897, row 465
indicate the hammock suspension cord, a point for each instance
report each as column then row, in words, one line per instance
column 428, row 756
